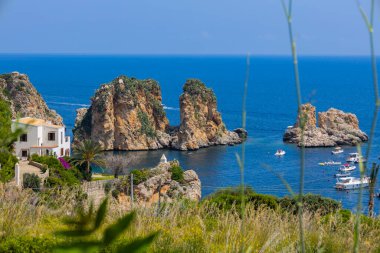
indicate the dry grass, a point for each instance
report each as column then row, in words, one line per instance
column 190, row 227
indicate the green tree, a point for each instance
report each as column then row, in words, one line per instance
column 86, row 153
column 7, row 138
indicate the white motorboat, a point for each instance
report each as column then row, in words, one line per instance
column 280, row 152
column 348, row 183
column 347, row 167
column 337, row 150
column 329, row 163
column 347, row 174
column 352, row 157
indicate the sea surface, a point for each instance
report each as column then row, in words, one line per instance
column 68, row 82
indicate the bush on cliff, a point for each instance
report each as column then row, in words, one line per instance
column 177, row 173
column 140, row 176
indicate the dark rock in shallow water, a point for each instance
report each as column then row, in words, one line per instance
column 335, row 127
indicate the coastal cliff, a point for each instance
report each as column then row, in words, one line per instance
column 335, row 127
column 201, row 123
column 127, row 114
column 24, row 99
column 171, row 190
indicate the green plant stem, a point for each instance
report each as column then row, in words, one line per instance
column 288, row 13
column 242, row 160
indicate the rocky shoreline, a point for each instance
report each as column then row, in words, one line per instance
column 127, row 114
column 335, row 128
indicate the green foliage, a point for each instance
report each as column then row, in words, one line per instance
column 107, row 187
column 177, row 173
column 146, row 126
column 31, row 181
column 8, row 162
column 84, row 225
column 140, row 176
column 58, row 175
column 195, row 87
column 7, row 138
column 115, row 193
column 87, row 153
column 312, row 203
column 228, row 198
column 27, row 244
column 231, row 197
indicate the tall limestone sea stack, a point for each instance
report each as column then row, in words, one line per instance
column 201, row 123
column 335, row 127
column 24, row 100
column 127, row 114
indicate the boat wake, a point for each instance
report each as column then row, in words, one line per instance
column 69, row 104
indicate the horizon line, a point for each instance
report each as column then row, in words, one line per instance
column 178, row 55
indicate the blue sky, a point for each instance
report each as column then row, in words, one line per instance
column 321, row 27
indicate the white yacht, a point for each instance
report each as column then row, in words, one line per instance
column 348, row 183
column 337, row 150
column 347, row 174
column 280, row 152
column 355, row 158
column 347, row 167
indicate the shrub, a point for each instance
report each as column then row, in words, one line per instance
column 107, row 187
column 177, row 173
column 140, row 176
column 115, row 193
column 31, row 181
column 228, row 198
column 8, row 162
column 27, row 244
column 146, row 126
column 312, row 203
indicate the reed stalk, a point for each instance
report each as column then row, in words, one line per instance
column 289, row 15
column 241, row 159
column 363, row 167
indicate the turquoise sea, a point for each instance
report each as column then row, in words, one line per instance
column 68, row 82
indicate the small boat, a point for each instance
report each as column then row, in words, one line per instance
column 280, row 152
column 329, row 163
column 347, row 174
column 355, row 158
column 348, row 183
column 352, row 157
column 337, row 150
column 347, row 167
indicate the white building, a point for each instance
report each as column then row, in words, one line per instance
column 41, row 137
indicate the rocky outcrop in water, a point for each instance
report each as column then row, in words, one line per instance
column 201, row 123
column 24, row 99
column 127, row 114
column 171, row 190
column 335, row 127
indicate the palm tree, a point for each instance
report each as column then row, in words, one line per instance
column 87, row 152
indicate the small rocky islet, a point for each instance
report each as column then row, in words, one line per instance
column 335, row 128
column 128, row 114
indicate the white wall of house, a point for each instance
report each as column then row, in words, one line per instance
column 32, row 134
column 42, row 140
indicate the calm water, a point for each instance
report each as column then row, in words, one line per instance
column 68, row 82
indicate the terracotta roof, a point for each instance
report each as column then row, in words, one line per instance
column 36, row 122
